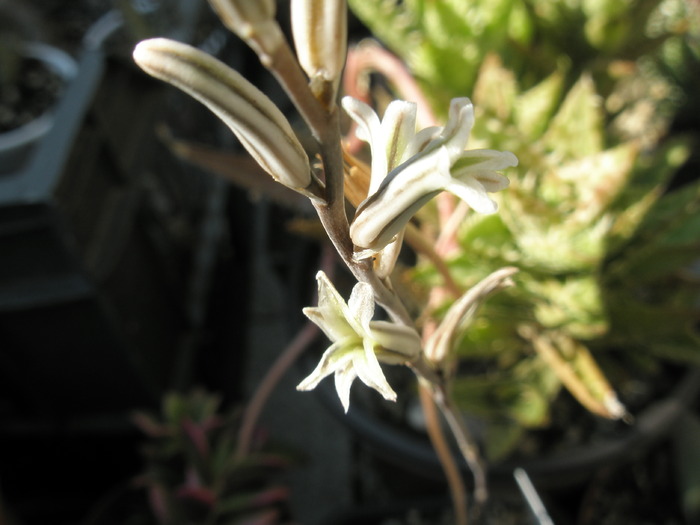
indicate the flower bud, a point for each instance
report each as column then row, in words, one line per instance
column 253, row 21
column 242, row 13
column 440, row 344
column 255, row 120
column 319, row 28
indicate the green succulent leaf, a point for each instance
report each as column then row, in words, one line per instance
column 534, row 107
column 522, row 392
column 495, row 89
column 577, row 129
column 657, row 329
column 667, row 239
column 572, row 304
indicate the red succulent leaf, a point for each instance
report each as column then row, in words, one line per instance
column 202, row 495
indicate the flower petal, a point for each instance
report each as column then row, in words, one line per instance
column 254, row 22
column 422, row 141
column 399, row 128
column 261, row 127
column 330, row 303
column 344, row 377
column 385, row 260
column 334, row 327
column 370, row 372
column 380, row 217
column 440, row 343
column 336, row 355
column 485, row 159
column 459, row 125
column 361, row 306
column 319, row 29
column 473, row 193
column 491, row 181
column 370, row 130
column 402, row 342
column 240, row 14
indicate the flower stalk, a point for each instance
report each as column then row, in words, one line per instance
column 408, row 168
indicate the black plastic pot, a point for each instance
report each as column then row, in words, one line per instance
column 106, row 245
column 94, row 275
column 558, row 470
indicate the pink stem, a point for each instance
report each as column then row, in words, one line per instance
column 289, row 355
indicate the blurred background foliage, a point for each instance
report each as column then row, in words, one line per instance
column 597, row 100
column 196, row 473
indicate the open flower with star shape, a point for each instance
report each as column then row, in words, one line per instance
column 409, row 168
column 359, row 344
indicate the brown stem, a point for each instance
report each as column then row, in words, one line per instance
column 458, row 491
column 323, row 123
column 466, row 444
column 421, row 244
column 371, row 56
column 255, row 406
column 288, row 356
column 324, row 126
column 362, row 270
column 284, row 66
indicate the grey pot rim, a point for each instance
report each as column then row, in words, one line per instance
column 60, row 63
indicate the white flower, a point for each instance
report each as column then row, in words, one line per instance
column 359, row 343
column 409, row 168
column 389, row 142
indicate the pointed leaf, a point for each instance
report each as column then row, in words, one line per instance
column 577, row 128
column 534, row 107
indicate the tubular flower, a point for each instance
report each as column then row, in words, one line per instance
column 359, row 344
column 259, row 125
column 409, row 169
column 439, row 345
column 254, row 22
column 319, row 28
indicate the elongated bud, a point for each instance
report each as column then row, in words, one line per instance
column 259, row 125
column 240, row 13
column 440, row 344
column 320, row 30
column 253, row 21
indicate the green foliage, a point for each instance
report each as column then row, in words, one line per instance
column 445, row 41
column 510, row 397
column 605, row 251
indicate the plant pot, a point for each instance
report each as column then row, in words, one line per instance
column 411, row 451
column 94, row 298
column 17, row 144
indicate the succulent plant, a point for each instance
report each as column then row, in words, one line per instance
column 605, row 251
column 194, row 473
